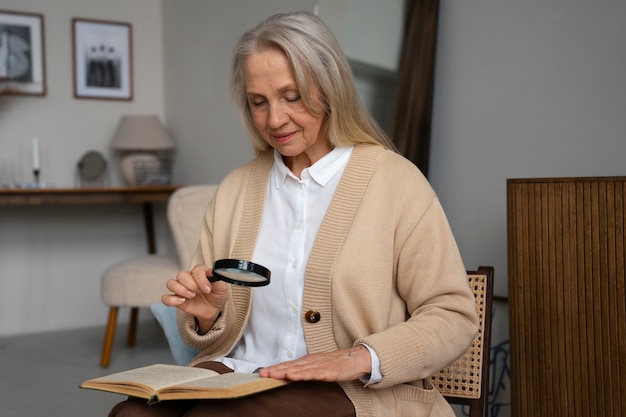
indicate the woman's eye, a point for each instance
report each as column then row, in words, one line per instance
column 293, row 97
column 257, row 102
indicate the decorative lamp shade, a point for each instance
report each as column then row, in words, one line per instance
column 141, row 133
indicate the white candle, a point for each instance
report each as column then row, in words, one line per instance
column 35, row 154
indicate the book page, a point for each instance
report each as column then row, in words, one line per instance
column 225, row 381
column 157, row 376
column 228, row 385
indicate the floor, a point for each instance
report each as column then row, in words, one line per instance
column 40, row 373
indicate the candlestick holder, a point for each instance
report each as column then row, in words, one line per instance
column 35, row 183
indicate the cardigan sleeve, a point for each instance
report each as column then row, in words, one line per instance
column 432, row 281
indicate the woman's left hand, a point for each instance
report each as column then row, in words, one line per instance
column 342, row 365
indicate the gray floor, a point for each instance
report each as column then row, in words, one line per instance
column 40, row 373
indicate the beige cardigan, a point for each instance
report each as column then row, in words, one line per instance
column 384, row 270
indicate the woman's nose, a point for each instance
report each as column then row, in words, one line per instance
column 277, row 116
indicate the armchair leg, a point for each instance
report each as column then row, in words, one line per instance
column 109, row 336
column 132, row 327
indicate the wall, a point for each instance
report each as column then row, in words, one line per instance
column 68, row 127
column 523, row 89
column 51, row 258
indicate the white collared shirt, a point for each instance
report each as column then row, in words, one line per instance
column 293, row 214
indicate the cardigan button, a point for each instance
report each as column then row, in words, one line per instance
column 312, row 316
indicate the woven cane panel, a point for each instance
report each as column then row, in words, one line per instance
column 462, row 377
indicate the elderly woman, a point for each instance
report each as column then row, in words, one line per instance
column 369, row 295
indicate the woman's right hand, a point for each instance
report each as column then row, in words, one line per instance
column 193, row 293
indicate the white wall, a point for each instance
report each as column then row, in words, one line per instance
column 68, row 127
column 51, row 258
column 528, row 88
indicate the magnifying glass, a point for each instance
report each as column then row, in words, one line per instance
column 238, row 272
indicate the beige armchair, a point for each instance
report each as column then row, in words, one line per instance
column 140, row 282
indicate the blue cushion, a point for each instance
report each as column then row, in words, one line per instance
column 166, row 316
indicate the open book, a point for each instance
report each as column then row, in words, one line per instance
column 171, row 382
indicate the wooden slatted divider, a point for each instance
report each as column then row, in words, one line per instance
column 567, row 296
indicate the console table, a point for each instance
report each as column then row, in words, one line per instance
column 145, row 196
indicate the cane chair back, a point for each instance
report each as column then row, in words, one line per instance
column 466, row 380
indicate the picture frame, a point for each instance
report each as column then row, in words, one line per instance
column 102, row 59
column 22, row 53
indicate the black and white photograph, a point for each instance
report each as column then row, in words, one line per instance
column 102, row 59
column 22, row 69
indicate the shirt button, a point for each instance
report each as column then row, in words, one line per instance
column 294, row 310
column 289, row 354
column 312, row 316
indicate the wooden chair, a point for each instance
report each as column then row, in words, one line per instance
column 466, row 380
column 140, row 282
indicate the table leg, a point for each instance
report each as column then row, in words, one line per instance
column 148, row 219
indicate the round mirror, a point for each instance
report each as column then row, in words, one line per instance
column 92, row 165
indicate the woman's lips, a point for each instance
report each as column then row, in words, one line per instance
column 282, row 138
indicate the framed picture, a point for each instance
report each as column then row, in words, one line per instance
column 103, row 65
column 22, row 58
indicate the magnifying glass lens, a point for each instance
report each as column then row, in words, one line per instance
column 240, row 275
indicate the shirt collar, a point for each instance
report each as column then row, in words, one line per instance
column 321, row 172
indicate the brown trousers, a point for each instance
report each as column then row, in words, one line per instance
column 302, row 399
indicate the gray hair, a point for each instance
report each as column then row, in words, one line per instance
column 317, row 61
